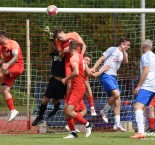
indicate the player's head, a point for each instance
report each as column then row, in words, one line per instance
column 3, row 37
column 124, row 42
column 60, row 34
column 87, row 58
column 147, row 45
column 73, row 46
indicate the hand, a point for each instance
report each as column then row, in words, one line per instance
column 64, row 81
column 66, row 49
column 123, row 46
column 4, row 66
column 49, row 33
column 136, row 90
column 92, row 70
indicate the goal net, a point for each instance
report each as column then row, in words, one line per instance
column 99, row 31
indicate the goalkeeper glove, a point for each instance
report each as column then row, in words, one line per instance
column 49, row 33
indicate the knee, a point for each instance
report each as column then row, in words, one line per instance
column 67, row 111
column 84, row 112
column 118, row 102
column 137, row 107
column 5, row 92
column 116, row 94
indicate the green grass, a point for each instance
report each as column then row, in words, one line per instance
column 57, row 139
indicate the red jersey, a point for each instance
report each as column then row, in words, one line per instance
column 78, row 81
column 8, row 50
column 70, row 36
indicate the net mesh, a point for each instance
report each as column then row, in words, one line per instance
column 99, row 31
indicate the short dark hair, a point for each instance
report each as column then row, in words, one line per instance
column 123, row 39
column 56, row 32
column 73, row 44
column 3, row 33
column 88, row 55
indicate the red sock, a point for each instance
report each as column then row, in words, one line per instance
column 70, row 123
column 10, row 104
column 75, row 121
column 151, row 122
column 91, row 101
column 80, row 119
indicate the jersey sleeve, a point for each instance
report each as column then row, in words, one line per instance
column 108, row 52
column 145, row 60
column 74, row 61
column 15, row 48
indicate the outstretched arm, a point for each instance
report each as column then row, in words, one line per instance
column 98, row 62
column 102, row 70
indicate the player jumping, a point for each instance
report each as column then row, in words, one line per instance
column 55, row 89
column 112, row 57
column 12, row 66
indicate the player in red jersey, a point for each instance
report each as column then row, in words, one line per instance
column 62, row 44
column 12, row 66
column 76, row 91
column 89, row 94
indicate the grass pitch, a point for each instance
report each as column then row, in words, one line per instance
column 97, row 138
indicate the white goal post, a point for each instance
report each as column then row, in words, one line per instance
column 78, row 10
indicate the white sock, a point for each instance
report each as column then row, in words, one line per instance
column 92, row 107
column 140, row 120
column 106, row 108
column 87, row 124
column 117, row 119
column 13, row 110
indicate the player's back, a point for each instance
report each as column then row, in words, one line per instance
column 78, row 81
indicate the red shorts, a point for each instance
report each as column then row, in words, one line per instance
column 152, row 102
column 75, row 96
column 15, row 71
column 81, row 106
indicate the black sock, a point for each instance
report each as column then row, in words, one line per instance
column 42, row 110
column 56, row 107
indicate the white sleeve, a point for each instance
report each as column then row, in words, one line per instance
column 145, row 60
column 109, row 51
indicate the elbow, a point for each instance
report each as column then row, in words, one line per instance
column 106, row 68
column 126, row 62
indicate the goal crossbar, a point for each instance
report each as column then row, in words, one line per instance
column 78, row 10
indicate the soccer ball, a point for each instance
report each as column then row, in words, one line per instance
column 52, row 10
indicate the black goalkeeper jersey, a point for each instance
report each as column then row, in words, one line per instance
column 58, row 65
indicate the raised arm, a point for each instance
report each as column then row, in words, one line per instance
column 125, row 57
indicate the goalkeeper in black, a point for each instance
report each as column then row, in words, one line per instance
column 55, row 89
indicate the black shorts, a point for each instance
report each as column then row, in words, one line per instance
column 55, row 89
